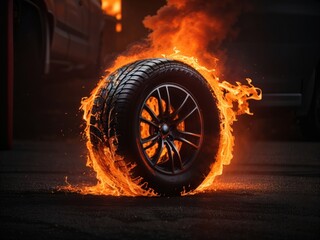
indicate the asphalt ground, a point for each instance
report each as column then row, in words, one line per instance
column 271, row 190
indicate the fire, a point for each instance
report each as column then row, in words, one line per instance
column 226, row 94
column 113, row 8
column 183, row 25
column 152, row 103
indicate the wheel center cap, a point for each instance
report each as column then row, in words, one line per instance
column 164, row 128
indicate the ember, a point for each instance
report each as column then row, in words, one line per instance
column 182, row 30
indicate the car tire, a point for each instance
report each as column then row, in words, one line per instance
column 172, row 144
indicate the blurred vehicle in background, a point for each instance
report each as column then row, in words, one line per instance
column 58, row 35
column 278, row 46
column 47, row 38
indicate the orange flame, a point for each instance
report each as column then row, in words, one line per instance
column 226, row 95
column 181, row 24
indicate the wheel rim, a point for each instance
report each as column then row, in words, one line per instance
column 170, row 129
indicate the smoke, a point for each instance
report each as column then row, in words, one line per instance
column 196, row 27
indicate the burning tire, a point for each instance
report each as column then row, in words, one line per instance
column 162, row 118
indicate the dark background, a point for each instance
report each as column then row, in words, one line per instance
column 50, row 109
column 271, row 190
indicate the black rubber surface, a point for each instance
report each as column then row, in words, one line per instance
column 115, row 115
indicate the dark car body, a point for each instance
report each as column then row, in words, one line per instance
column 71, row 31
column 278, row 46
column 76, row 29
column 47, row 38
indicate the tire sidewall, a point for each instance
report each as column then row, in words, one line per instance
column 194, row 83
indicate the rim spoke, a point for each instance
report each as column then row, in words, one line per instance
column 179, row 120
column 169, row 150
column 168, row 101
column 182, row 139
column 157, row 156
column 180, row 107
column 148, row 122
column 159, row 102
column 151, row 112
column 151, row 144
column 176, row 151
column 190, row 134
column 150, row 138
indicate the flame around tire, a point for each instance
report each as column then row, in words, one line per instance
column 113, row 180
column 193, row 27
